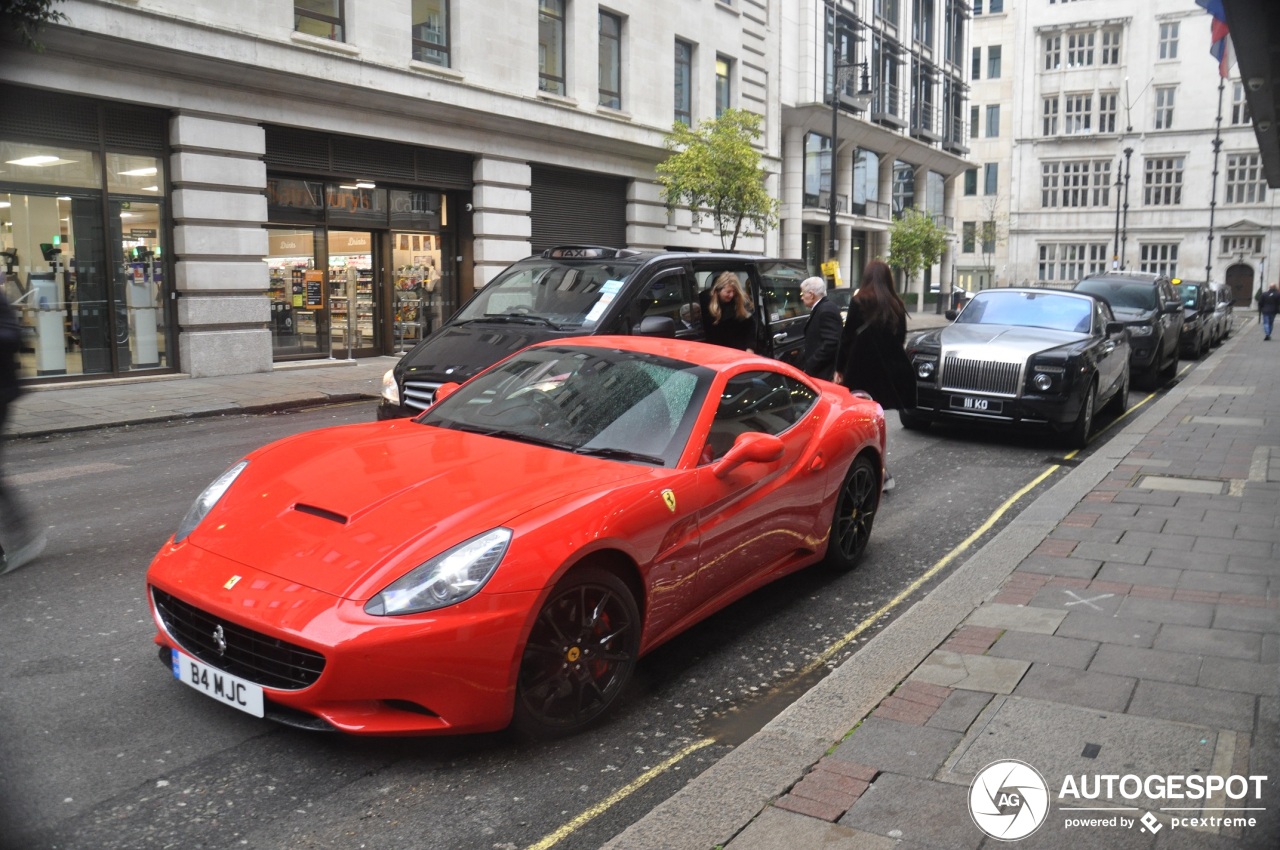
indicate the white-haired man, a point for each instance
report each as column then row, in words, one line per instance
column 821, row 332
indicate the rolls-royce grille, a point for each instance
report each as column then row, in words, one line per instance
column 980, row 376
column 420, row 394
column 242, row 652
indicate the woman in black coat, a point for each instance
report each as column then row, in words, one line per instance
column 873, row 356
column 727, row 315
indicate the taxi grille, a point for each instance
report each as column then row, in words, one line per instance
column 420, row 394
column 980, row 376
column 251, row 655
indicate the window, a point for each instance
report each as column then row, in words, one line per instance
column 1077, row 183
column 610, row 61
column 1079, row 49
column 431, row 31
column 1050, row 113
column 971, row 181
column 977, row 8
column 817, row 170
column 1162, row 181
column 1050, row 180
column 1110, row 53
column 973, row 121
column 684, row 82
column 975, row 72
column 551, row 46
column 1052, row 52
column 993, row 121
column 922, row 12
column 968, row 237
column 1164, row 107
column 1077, row 113
column 1239, row 104
column 991, row 178
column 1071, row 261
column 1160, row 258
column 1101, row 192
column 1169, row 40
column 866, row 180
column 321, row 18
column 723, row 85
column 904, row 186
column 1107, row 111
column 1245, row 181
column 887, row 11
column 757, row 401
column 993, row 61
column 1242, row 245
column 995, row 6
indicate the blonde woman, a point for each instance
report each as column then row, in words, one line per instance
column 728, row 318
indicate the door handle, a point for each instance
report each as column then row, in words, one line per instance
column 780, row 337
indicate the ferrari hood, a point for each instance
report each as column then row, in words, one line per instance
column 1007, row 343
column 347, row 510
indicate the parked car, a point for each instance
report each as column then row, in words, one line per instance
column 577, row 290
column 1224, row 308
column 1025, row 357
column 509, row 555
column 1199, row 317
column 1152, row 311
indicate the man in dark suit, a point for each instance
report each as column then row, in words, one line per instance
column 821, row 332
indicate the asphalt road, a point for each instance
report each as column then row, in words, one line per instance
column 100, row 748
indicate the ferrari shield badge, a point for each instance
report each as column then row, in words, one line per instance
column 231, row 582
column 669, row 497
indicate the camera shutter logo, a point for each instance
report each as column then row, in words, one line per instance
column 1008, row 800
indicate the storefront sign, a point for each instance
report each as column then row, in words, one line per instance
column 315, row 291
column 142, row 233
column 349, row 242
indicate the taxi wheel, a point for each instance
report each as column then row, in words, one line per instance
column 581, row 653
column 856, row 504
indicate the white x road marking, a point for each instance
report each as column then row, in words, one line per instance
column 1088, row 602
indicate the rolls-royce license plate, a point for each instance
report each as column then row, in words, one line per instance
column 976, row 404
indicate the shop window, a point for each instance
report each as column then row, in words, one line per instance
column 320, row 18
column 431, row 32
column 551, row 77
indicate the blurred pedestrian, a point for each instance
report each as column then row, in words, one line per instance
column 873, row 356
column 822, row 330
column 1268, row 306
column 727, row 315
column 20, row 542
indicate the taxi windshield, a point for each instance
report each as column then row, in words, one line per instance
column 557, row 292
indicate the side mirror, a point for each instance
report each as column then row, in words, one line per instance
column 1172, row 307
column 951, row 315
column 1114, row 328
column 752, row 447
column 444, row 391
column 656, row 326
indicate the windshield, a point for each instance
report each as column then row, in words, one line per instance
column 562, row 293
column 1051, row 310
column 608, row 403
column 1190, row 293
column 1121, row 294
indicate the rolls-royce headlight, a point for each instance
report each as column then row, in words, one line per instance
column 448, row 578
column 1042, row 382
column 925, row 368
column 1045, row 378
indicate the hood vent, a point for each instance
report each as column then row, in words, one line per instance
column 332, row 516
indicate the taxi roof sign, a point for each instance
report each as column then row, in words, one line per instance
column 585, row 252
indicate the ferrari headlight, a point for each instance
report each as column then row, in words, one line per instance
column 390, row 392
column 446, row 579
column 206, row 500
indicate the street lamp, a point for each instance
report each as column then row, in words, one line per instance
column 859, row 101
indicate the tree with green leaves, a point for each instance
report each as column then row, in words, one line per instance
column 26, row 18
column 916, row 242
column 716, row 168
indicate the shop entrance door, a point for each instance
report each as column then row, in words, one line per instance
column 418, row 292
column 355, row 325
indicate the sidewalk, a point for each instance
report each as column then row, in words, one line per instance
column 1123, row 625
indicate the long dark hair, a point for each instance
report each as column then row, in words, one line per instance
column 878, row 298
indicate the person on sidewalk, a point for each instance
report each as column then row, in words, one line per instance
column 873, row 356
column 19, row 541
column 1268, row 306
column 822, row 330
column 727, row 317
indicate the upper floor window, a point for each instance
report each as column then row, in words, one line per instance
column 1164, row 107
column 971, row 181
column 431, row 31
column 974, row 111
column 1169, row 40
column 1049, row 112
column 886, row 10
column 321, row 18
column 1110, row 46
column 551, row 46
column 991, row 178
column 1239, row 104
column 993, row 61
column 995, row 6
column 977, row 7
column 975, row 71
column 1242, row 245
column 922, row 21
column 1080, row 49
column 1162, row 181
column 1052, row 52
column 1077, row 113
column 684, row 82
column 610, row 63
column 1107, row 111
column 1160, row 258
column 724, row 90
column 968, row 236
column 993, row 121
column 1245, row 181
column 817, row 170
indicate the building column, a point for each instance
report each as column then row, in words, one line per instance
column 791, row 213
column 921, row 175
column 885, row 178
column 501, row 207
column 947, row 269
column 219, row 211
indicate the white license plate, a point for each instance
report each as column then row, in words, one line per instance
column 222, row 686
column 976, row 404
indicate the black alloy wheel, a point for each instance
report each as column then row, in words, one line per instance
column 856, row 504
column 580, row 655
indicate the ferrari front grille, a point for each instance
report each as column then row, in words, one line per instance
column 259, row 658
column 980, row 376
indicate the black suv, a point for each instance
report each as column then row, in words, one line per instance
column 582, row 290
column 1198, row 317
column 1152, row 310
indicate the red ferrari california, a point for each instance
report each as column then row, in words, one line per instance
column 506, row 557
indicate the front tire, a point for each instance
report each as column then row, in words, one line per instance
column 580, row 655
column 856, row 504
column 1083, row 426
column 912, row 421
column 1120, row 401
